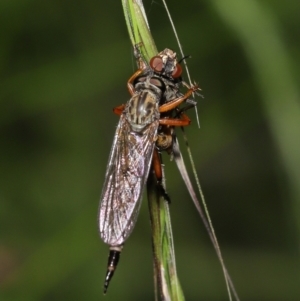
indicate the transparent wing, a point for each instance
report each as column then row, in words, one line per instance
column 126, row 175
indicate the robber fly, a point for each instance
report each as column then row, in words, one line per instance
column 154, row 90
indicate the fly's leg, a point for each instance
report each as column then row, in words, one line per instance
column 113, row 259
column 156, row 164
column 131, row 80
column 119, row 109
column 138, row 55
column 141, row 65
column 177, row 101
column 183, row 121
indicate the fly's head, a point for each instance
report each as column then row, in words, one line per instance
column 162, row 75
column 165, row 64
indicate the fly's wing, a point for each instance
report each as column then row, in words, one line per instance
column 125, row 178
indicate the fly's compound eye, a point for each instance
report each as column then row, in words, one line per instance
column 177, row 71
column 157, row 64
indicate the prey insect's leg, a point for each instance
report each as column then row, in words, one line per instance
column 177, row 101
column 156, row 164
column 113, row 259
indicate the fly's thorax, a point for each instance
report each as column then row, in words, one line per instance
column 142, row 109
column 150, row 82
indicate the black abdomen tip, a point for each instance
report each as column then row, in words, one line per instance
column 113, row 259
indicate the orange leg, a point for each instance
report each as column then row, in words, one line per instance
column 119, row 109
column 156, row 165
column 177, row 101
column 183, row 121
column 131, row 80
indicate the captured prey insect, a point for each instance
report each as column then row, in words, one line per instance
column 140, row 134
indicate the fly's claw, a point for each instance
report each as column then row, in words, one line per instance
column 138, row 55
column 137, row 50
column 194, row 87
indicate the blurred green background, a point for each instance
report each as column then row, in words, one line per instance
column 64, row 66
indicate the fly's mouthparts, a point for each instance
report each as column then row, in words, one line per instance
column 113, row 259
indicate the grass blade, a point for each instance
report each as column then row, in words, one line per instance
column 167, row 285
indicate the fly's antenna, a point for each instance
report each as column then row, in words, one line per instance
column 184, row 58
column 181, row 51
